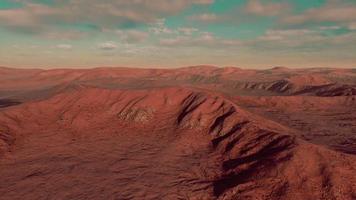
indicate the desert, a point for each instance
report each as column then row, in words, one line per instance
column 187, row 133
column 177, row 100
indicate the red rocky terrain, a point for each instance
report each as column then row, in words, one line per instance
column 224, row 133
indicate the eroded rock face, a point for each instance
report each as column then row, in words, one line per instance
column 170, row 143
column 8, row 102
column 327, row 121
column 136, row 114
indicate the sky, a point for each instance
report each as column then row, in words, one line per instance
column 177, row 33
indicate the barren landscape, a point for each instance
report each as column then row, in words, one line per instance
column 177, row 100
column 198, row 132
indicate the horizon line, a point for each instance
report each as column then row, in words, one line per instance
column 167, row 68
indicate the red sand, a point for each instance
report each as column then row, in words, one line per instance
column 169, row 143
column 189, row 133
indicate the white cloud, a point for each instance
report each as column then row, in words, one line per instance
column 329, row 27
column 289, row 32
column 110, row 45
column 205, row 17
column 187, row 30
column 64, row 46
column 63, row 35
column 105, row 14
column 159, row 27
column 345, row 39
column 333, row 11
column 203, row 39
column 256, row 7
column 352, row 26
column 207, row 36
column 300, row 38
column 289, row 37
column 132, row 36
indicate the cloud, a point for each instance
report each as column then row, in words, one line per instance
column 187, row 30
column 256, row 7
column 329, row 27
column 300, row 40
column 132, row 36
column 286, row 33
column 56, row 34
column 290, row 37
column 25, row 19
column 110, row 45
column 352, row 26
column 202, row 40
column 64, row 46
column 252, row 11
column 34, row 17
column 205, row 17
column 344, row 40
column 332, row 11
column 159, row 27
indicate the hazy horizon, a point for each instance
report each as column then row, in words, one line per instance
column 249, row 34
column 167, row 67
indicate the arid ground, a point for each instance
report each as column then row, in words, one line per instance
column 199, row 133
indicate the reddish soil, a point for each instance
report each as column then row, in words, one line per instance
column 328, row 121
column 133, row 134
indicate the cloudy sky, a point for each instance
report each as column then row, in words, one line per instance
column 173, row 33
